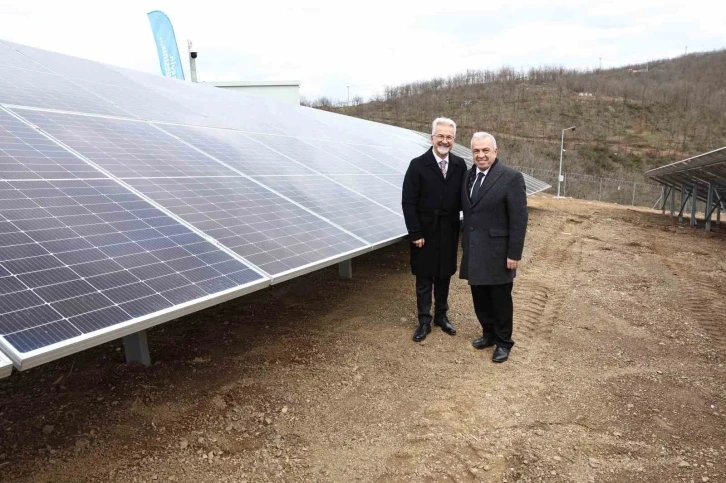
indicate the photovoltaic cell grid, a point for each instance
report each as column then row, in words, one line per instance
column 10, row 58
column 393, row 158
column 65, row 65
column 269, row 231
column 80, row 256
column 238, row 150
column 386, row 189
column 353, row 212
column 142, row 103
column 366, row 163
column 309, row 155
column 127, row 149
column 27, row 154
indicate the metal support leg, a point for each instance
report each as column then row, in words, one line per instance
column 673, row 200
column 684, row 199
column 137, row 349
column 709, row 203
column 694, row 204
column 345, row 268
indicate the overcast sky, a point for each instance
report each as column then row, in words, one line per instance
column 329, row 45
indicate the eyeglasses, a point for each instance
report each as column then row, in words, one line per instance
column 441, row 137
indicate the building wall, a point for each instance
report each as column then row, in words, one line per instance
column 284, row 93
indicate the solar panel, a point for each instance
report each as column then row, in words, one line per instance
column 366, row 163
column 239, row 150
column 392, row 158
column 6, row 367
column 80, row 256
column 309, row 155
column 50, row 91
column 354, row 212
column 126, row 148
column 27, row 154
column 271, row 232
column 386, row 190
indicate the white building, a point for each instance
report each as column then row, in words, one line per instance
column 285, row 91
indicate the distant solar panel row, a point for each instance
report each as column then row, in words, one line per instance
column 128, row 199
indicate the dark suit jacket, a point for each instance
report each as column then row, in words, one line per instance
column 431, row 206
column 495, row 224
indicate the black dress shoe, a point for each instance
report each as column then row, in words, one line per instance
column 483, row 342
column 501, row 354
column 445, row 325
column 421, row 332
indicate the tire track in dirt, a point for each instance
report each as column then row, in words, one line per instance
column 704, row 299
column 541, row 293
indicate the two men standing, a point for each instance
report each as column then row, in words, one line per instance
column 494, row 201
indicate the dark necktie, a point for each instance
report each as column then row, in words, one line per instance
column 477, row 185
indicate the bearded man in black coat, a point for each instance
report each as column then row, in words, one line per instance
column 431, row 204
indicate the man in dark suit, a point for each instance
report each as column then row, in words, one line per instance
column 494, row 200
column 431, row 204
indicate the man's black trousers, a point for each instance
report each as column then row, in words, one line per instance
column 423, row 297
column 494, row 309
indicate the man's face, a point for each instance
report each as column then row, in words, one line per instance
column 484, row 153
column 443, row 139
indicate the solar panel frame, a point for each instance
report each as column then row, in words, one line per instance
column 6, row 367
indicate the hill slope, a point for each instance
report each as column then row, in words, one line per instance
column 629, row 119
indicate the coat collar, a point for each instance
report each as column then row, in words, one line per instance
column 493, row 175
column 431, row 162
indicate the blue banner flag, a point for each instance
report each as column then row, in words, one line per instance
column 169, row 59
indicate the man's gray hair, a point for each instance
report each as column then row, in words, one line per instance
column 484, row 135
column 442, row 120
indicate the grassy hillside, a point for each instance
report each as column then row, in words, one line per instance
column 629, row 119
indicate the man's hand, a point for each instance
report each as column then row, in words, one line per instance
column 419, row 243
column 512, row 264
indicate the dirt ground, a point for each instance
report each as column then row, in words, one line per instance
column 618, row 375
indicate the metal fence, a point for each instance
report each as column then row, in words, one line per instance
column 588, row 187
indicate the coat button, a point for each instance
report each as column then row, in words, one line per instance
column 471, row 229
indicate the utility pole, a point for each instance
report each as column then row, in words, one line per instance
column 560, row 178
column 600, row 63
column 192, row 61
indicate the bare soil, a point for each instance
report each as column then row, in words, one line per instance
column 618, row 375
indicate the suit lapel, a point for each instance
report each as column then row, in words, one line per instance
column 491, row 178
column 432, row 164
column 466, row 187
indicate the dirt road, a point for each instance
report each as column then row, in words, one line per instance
column 618, row 374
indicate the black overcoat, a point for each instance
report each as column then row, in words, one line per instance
column 495, row 224
column 431, row 208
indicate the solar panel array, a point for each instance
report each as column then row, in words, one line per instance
column 697, row 171
column 127, row 199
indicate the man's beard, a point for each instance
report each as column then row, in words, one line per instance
column 443, row 149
